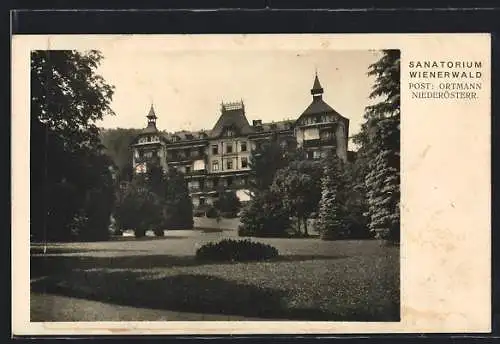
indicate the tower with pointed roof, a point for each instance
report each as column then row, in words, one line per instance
column 152, row 117
column 149, row 145
column 320, row 128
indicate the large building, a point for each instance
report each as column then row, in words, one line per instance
column 217, row 160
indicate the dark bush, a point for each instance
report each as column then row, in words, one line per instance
column 236, row 250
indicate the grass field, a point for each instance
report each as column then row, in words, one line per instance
column 311, row 280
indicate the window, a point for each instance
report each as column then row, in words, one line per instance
column 229, row 181
column 188, row 169
column 215, row 166
column 243, row 146
column 215, row 149
column 229, row 133
column 155, row 153
column 202, row 201
column 229, row 148
column 141, row 154
column 326, row 135
column 316, row 155
column 229, row 164
column 244, row 162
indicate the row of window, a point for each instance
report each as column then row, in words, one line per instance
column 149, row 139
column 225, row 182
column 142, row 154
column 317, row 119
column 229, row 148
column 229, row 164
column 184, row 153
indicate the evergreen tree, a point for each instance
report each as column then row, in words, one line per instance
column 380, row 140
column 383, row 180
column 331, row 218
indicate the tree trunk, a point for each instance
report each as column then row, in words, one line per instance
column 306, row 233
column 298, row 225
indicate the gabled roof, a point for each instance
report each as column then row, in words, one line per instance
column 232, row 117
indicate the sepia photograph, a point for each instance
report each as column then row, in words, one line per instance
column 259, row 185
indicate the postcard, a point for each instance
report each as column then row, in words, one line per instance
column 251, row 184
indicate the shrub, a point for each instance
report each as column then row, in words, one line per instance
column 236, row 250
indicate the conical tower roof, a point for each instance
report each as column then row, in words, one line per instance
column 151, row 113
column 316, row 90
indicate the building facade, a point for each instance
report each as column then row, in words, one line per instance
column 217, row 160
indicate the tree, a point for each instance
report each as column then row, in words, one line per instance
column 67, row 98
column 383, row 180
column 380, row 141
column 138, row 208
column 332, row 208
column 299, row 187
column 178, row 205
column 264, row 216
column 265, row 161
column 228, row 204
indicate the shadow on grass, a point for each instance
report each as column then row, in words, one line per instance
column 188, row 293
column 41, row 265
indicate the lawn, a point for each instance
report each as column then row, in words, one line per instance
column 311, row 280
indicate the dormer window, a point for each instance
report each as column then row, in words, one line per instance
column 273, row 126
column 229, row 133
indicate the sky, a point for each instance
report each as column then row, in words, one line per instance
column 187, row 86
